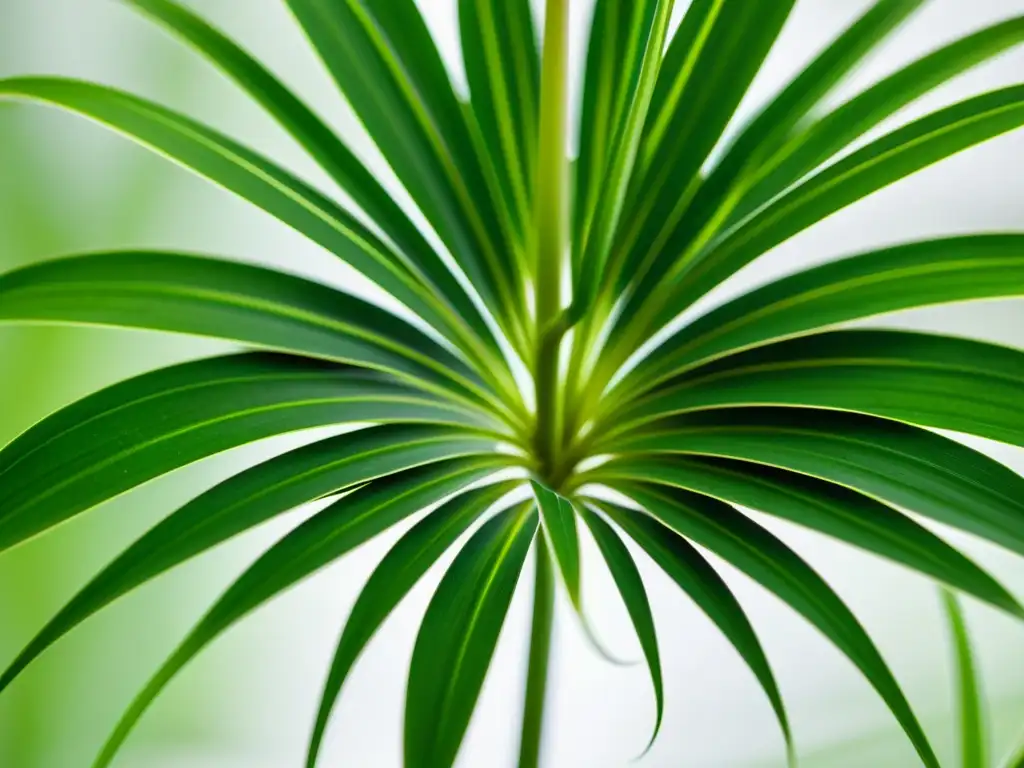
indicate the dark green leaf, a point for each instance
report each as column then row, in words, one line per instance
column 239, row 170
column 140, row 429
column 854, row 288
column 251, row 498
column 231, row 301
column 973, row 736
column 458, row 638
column 403, row 566
column 767, row 560
column 322, row 539
column 328, row 150
column 831, row 509
column 695, row 576
column 634, row 595
column 932, row 381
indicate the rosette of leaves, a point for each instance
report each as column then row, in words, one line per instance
column 515, row 263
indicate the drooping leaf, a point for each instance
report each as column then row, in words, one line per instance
column 634, row 595
column 403, row 566
column 239, row 170
column 322, row 539
column 767, row 560
column 698, row 579
column 235, row 302
column 458, row 637
column 539, row 659
column 933, row 381
column 972, row 732
column 826, row 507
column 251, row 498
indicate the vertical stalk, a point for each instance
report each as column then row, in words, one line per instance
column 551, row 222
column 540, row 654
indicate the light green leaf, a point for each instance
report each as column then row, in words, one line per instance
column 682, row 563
column 972, row 732
column 251, row 498
column 828, row 508
column 322, row 539
column 539, row 661
column 634, row 595
column 933, row 381
column 458, row 637
column 767, row 560
column 403, row 566
column 559, row 518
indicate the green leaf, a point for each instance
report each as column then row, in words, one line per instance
column 458, row 637
column 236, row 302
column 762, row 138
column 884, row 161
column 698, row 579
column 767, row 560
column 831, row 509
column 138, row 430
column 932, row 381
column 385, row 63
column 403, row 566
column 330, row 152
column 251, row 498
column 319, row 541
column 618, row 95
column 1016, row 760
column 559, row 519
column 708, row 68
column 239, row 170
column 499, row 48
column 973, row 737
column 634, row 595
column 838, row 129
column 858, row 287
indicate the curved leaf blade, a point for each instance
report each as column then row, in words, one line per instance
column 400, row 570
column 111, row 442
column 458, row 637
column 775, row 566
column 322, row 539
column 249, row 499
column 682, row 563
column 234, row 302
column 634, row 595
column 831, row 509
column 973, row 751
column 559, row 520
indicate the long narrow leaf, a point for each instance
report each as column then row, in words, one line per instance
column 830, row 509
column 933, row 381
column 972, row 733
column 559, row 519
column 767, row 560
column 313, row 545
column 685, row 565
column 247, row 500
column 458, row 637
column 403, row 566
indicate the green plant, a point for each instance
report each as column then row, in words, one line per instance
column 760, row 402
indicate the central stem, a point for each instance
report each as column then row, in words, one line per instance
column 551, row 221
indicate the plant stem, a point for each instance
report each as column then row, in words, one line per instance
column 540, row 654
column 551, row 222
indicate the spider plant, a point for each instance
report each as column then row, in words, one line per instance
column 538, row 349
